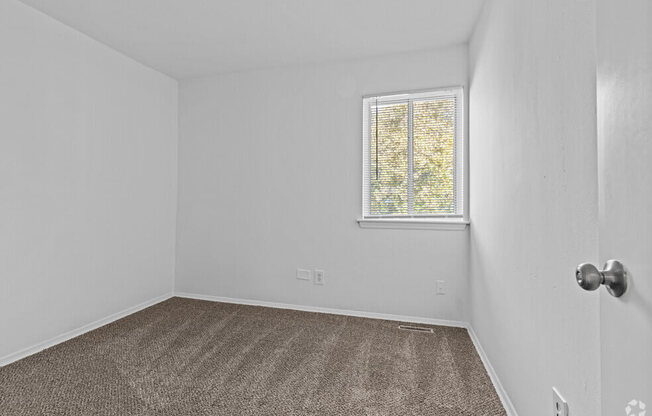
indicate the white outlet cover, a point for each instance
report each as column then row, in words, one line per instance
column 559, row 404
column 320, row 277
column 441, row 287
column 304, row 274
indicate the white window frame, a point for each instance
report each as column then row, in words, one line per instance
column 457, row 221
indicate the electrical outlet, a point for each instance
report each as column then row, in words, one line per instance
column 559, row 404
column 304, row 274
column 441, row 287
column 319, row 277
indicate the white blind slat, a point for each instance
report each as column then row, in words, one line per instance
column 412, row 146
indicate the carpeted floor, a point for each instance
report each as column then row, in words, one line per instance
column 190, row 357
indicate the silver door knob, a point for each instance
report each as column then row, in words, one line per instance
column 613, row 277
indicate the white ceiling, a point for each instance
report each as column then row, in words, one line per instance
column 190, row 38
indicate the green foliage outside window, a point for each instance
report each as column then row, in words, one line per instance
column 429, row 187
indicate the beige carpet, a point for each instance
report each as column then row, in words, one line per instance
column 190, row 357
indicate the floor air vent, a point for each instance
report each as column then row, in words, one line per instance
column 415, row 328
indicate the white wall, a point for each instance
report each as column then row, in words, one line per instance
column 270, row 180
column 624, row 90
column 88, row 146
column 534, row 199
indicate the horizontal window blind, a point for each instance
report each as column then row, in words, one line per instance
column 413, row 154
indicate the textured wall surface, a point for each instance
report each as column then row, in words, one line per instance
column 88, row 147
column 534, row 199
column 270, row 180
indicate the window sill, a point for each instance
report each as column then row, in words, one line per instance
column 414, row 223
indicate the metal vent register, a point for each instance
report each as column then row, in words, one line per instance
column 415, row 328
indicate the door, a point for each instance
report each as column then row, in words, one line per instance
column 624, row 82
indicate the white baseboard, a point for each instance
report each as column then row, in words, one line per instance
column 8, row 359
column 332, row 311
column 502, row 394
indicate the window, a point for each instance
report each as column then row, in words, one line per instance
column 413, row 156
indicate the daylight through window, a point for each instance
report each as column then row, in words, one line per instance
column 413, row 154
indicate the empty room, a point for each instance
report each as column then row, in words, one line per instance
column 311, row 207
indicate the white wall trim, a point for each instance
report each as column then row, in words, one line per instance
column 500, row 390
column 8, row 359
column 359, row 314
column 414, row 223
